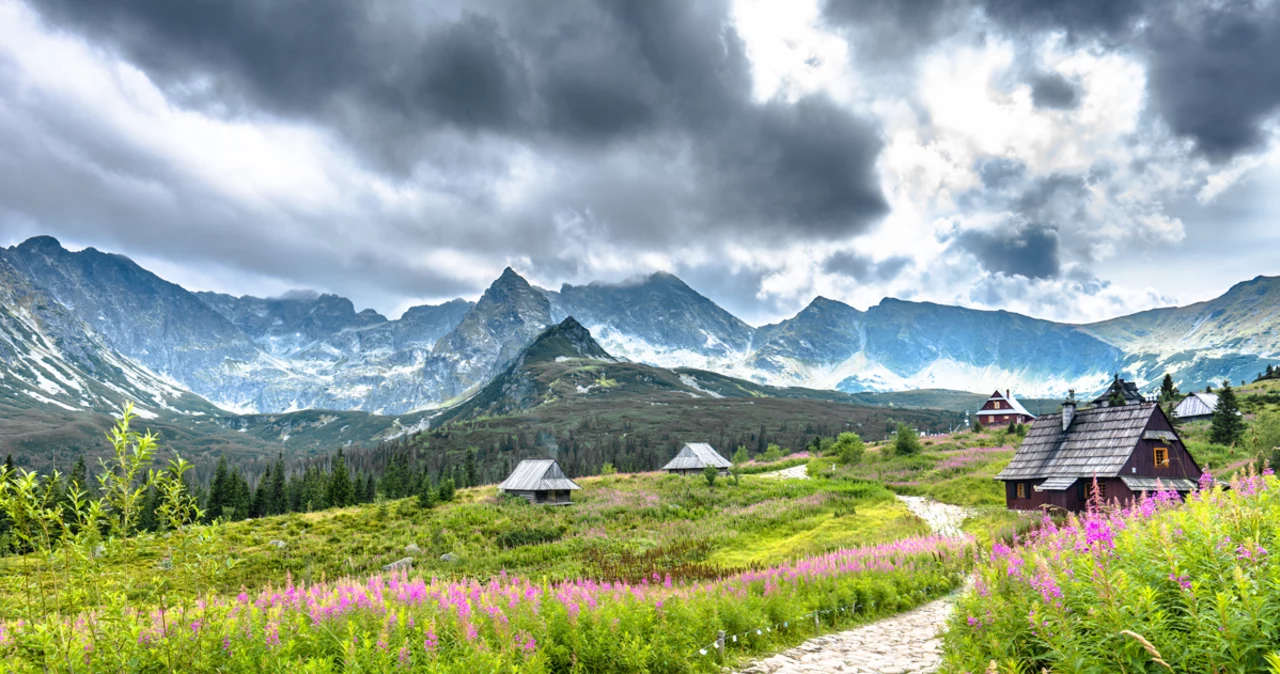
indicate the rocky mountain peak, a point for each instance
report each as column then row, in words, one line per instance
column 45, row 245
column 567, row 339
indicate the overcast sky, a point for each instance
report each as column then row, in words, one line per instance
column 1068, row 159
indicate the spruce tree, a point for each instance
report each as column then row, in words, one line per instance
column 80, row 474
column 473, row 478
column 370, row 489
column 339, row 482
column 277, row 502
column 1167, row 390
column 446, row 489
column 241, row 497
column 426, row 492
column 1227, row 427
column 219, row 491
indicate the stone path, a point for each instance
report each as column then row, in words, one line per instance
column 800, row 472
column 907, row 643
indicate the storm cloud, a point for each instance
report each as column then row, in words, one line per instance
column 392, row 150
column 1016, row 250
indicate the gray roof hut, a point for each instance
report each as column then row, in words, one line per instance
column 1196, row 406
column 1127, row 390
column 1125, row 448
column 694, row 457
column 540, row 481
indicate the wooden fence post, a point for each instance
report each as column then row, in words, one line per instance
column 720, row 645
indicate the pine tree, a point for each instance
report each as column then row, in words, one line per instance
column 219, row 491
column 241, row 496
column 370, row 489
column 446, row 490
column 1227, row 427
column 148, row 520
column 1167, row 390
column 339, row 482
column 258, row 506
column 473, row 479
column 426, row 493
column 80, row 474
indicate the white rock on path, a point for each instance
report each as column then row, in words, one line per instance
column 907, row 643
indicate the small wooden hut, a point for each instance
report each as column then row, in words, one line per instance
column 540, row 481
column 1196, row 406
column 694, row 458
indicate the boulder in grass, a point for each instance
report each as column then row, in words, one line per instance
column 448, row 557
column 412, row 549
column 276, row 544
column 399, row 564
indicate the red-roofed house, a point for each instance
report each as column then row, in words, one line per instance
column 1001, row 409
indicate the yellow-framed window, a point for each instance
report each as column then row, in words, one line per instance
column 1162, row 457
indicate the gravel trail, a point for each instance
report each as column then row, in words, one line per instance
column 907, row 643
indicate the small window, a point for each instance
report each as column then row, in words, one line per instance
column 1022, row 490
column 997, row 405
column 1102, row 491
column 1162, row 457
column 1082, row 490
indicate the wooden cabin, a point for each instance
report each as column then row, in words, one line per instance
column 1124, row 389
column 1001, row 409
column 1127, row 448
column 694, row 458
column 1196, row 407
column 540, row 481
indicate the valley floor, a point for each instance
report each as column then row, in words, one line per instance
column 908, row 643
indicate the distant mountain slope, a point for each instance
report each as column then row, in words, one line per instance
column 1234, row 336
column 311, row 351
column 51, row 359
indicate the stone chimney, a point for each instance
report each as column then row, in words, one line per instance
column 1068, row 410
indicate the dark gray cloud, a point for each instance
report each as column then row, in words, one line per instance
column 1080, row 19
column 604, row 91
column 863, row 268
column 1052, row 90
column 1017, row 250
column 1215, row 74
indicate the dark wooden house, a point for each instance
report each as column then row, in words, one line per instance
column 540, row 481
column 694, row 458
column 1002, row 409
column 1120, row 390
column 1126, row 448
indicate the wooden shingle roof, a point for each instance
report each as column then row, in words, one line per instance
column 538, row 475
column 696, row 456
column 1099, row 442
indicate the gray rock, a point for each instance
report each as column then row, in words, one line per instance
column 412, row 549
column 448, row 557
column 99, row 551
column 399, row 564
column 277, row 543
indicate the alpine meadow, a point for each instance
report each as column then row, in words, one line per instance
column 639, row 337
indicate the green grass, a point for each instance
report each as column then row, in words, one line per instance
column 676, row 523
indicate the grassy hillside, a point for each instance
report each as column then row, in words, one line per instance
column 623, row 526
column 652, row 563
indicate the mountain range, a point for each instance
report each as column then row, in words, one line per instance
column 86, row 329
